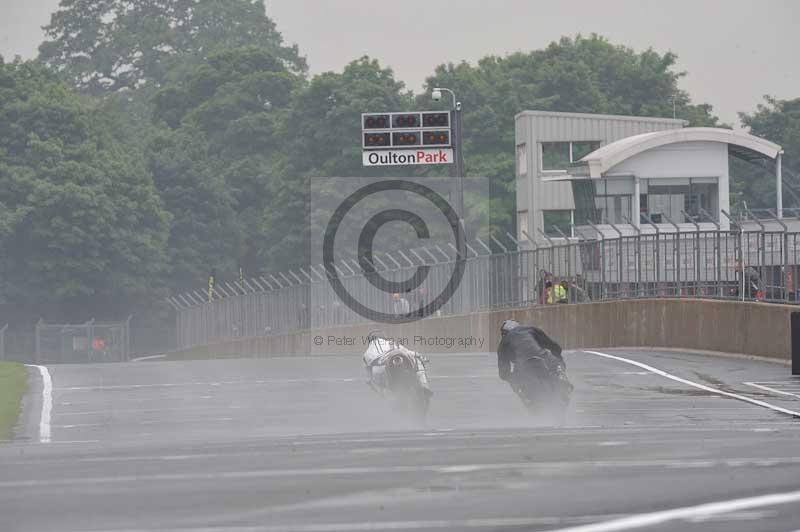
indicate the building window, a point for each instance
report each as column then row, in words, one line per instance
column 613, row 209
column 679, row 200
column 582, row 149
column 555, row 155
column 584, row 191
column 614, row 200
column 603, row 201
column 559, row 155
column 522, row 160
column 522, row 224
column 555, row 221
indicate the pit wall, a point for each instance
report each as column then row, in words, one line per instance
column 756, row 329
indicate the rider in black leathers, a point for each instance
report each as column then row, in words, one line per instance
column 519, row 344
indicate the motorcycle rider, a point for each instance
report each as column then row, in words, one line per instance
column 378, row 350
column 519, row 344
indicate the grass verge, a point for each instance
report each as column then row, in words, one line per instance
column 13, row 383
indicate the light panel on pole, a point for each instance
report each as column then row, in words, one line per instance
column 436, row 119
column 436, row 138
column 375, row 121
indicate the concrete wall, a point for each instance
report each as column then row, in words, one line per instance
column 757, row 329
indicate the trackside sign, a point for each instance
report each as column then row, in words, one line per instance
column 403, row 157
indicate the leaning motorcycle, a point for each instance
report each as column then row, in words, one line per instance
column 543, row 387
column 403, row 382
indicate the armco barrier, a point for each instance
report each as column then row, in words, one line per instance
column 757, row 329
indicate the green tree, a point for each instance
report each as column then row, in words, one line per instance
column 204, row 232
column 103, row 47
column 234, row 103
column 321, row 138
column 778, row 121
column 83, row 225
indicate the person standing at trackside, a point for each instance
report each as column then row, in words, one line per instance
column 544, row 276
column 400, row 306
column 753, row 285
column 555, row 293
column 576, row 293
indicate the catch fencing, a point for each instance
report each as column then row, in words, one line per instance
column 736, row 264
column 92, row 341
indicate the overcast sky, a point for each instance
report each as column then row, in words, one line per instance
column 735, row 51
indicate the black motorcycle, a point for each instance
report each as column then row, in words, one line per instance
column 543, row 387
column 402, row 382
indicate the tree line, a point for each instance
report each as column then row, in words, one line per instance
column 150, row 142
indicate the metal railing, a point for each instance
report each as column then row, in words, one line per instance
column 735, row 264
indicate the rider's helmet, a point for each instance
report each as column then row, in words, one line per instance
column 374, row 335
column 507, row 325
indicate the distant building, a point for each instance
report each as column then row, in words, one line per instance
column 587, row 173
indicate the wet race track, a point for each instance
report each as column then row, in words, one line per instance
column 302, row 444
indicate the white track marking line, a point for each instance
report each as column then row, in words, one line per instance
column 47, row 403
column 370, row 526
column 151, row 357
column 771, row 390
column 698, row 385
column 688, row 512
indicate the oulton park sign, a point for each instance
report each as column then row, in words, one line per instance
column 404, row 157
column 408, row 138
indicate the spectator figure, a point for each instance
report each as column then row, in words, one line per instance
column 555, row 292
column 411, row 297
column 322, row 316
column 422, row 294
column 576, row 293
column 753, row 285
column 400, row 307
column 565, row 285
column 545, row 277
column 337, row 312
column 302, row 316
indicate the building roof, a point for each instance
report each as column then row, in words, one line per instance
column 558, row 114
column 610, row 155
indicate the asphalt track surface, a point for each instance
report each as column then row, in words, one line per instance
column 302, row 444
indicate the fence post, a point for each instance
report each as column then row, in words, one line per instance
column 717, row 250
column 696, row 250
column 637, row 250
column 38, row 340
column 90, row 335
column 127, row 345
column 795, row 340
column 619, row 254
column 784, row 253
column 676, row 253
column 657, row 250
column 3, row 342
column 738, row 252
column 602, row 258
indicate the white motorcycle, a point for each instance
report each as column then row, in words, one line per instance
column 404, row 378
